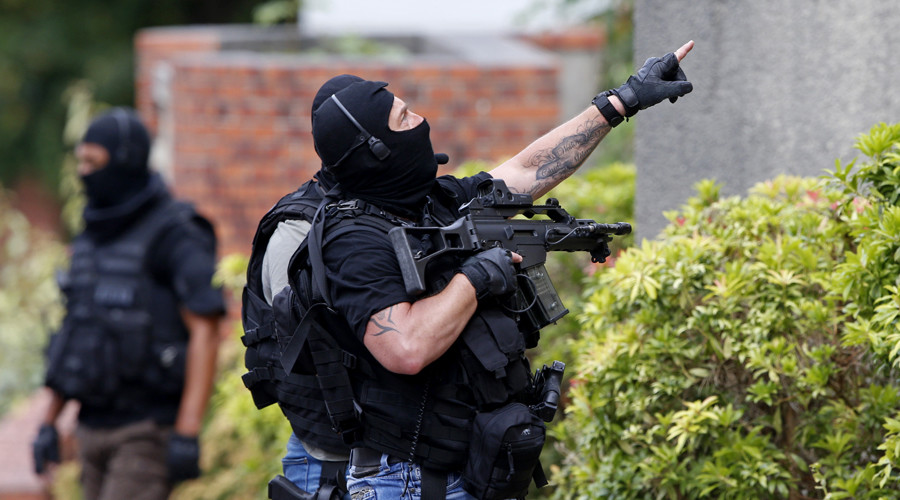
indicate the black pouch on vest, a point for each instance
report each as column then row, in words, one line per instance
column 131, row 332
column 505, row 453
column 83, row 365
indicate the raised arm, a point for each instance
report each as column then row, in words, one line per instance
column 556, row 155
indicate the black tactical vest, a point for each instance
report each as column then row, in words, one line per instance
column 122, row 345
column 426, row 418
column 266, row 327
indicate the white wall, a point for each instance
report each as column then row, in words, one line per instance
column 440, row 16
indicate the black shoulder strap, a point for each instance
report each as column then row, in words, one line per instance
column 314, row 247
column 340, row 219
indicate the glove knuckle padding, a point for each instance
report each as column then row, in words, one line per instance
column 658, row 79
column 491, row 272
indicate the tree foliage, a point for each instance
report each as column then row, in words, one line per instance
column 46, row 46
column 752, row 351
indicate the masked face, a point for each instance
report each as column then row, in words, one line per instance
column 112, row 158
column 398, row 181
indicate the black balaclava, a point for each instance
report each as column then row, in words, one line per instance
column 126, row 139
column 336, row 84
column 398, row 183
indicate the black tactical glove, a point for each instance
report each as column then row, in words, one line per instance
column 491, row 272
column 658, row 79
column 183, row 458
column 46, row 448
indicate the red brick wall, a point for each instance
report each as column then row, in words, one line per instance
column 241, row 120
column 158, row 45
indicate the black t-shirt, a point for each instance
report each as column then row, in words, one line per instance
column 363, row 272
column 185, row 260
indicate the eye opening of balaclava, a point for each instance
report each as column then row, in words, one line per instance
column 127, row 141
column 398, row 182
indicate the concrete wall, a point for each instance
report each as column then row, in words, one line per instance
column 779, row 87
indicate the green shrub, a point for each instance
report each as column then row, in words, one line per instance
column 30, row 305
column 751, row 351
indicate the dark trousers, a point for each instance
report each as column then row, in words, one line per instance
column 124, row 463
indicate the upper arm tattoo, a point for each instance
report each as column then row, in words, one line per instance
column 383, row 322
column 555, row 164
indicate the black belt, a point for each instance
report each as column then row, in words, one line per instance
column 368, row 457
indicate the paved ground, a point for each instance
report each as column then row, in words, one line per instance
column 17, row 430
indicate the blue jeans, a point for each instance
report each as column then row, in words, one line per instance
column 400, row 480
column 301, row 468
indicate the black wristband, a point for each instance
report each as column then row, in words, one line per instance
column 607, row 109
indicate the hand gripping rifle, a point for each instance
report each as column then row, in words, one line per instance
column 490, row 223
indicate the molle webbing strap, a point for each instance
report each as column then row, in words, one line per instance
column 383, row 434
column 334, row 219
column 311, row 426
column 332, row 365
column 434, row 484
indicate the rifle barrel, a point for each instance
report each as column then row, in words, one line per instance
column 616, row 228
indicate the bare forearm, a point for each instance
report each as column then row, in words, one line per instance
column 556, row 155
column 407, row 337
column 202, row 353
column 54, row 406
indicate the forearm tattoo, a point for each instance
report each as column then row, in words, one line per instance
column 555, row 164
column 383, row 322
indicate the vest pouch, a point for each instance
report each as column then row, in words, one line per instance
column 166, row 367
column 261, row 351
column 83, row 365
column 130, row 330
column 504, row 453
column 493, row 357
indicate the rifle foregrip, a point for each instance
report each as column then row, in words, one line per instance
column 415, row 284
column 617, row 228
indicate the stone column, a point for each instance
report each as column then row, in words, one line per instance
column 779, row 87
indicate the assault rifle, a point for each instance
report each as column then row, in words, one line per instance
column 490, row 223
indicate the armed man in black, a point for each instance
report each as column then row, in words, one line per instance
column 439, row 386
column 139, row 342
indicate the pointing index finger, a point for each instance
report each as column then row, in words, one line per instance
column 683, row 50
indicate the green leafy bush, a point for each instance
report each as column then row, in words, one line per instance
column 751, row 351
column 30, row 306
